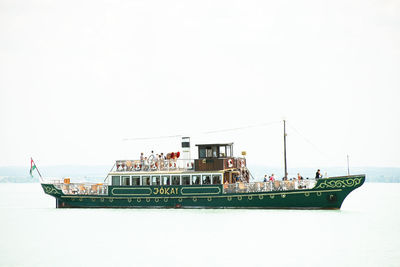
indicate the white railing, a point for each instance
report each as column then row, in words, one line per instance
column 268, row 186
column 154, row 165
column 81, row 188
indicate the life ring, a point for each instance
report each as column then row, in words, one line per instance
column 137, row 167
column 230, row 163
column 154, row 167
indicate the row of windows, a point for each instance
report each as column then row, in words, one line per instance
column 167, row 179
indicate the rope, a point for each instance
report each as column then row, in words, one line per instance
column 308, row 141
column 206, row 132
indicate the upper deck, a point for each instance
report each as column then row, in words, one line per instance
column 211, row 157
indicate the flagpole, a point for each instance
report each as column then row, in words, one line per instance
column 41, row 178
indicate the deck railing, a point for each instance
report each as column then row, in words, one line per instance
column 154, row 165
column 82, row 188
column 268, row 186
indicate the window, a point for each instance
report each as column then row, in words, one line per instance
column 222, row 152
column 145, row 180
column 202, row 153
column 166, row 180
column 216, row 178
column 208, row 152
column 228, row 151
column 135, row 180
column 185, row 179
column 126, row 180
column 155, row 180
column 214, row 152
column 176, row 179
column 115, row 180
column 196, row 179
column 206, row 179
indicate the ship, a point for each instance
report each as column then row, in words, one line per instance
column 214, row 179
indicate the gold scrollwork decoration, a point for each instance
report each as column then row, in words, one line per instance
column 271, row 196
column 332, row 183
column 139, row 199
column 229, row 198
column 147, row 199
column 249, row 197
column 156, row 199
column 260, row 196
column 209, row 198
column 180, row 199
column 50, row 190
column 165, row 199
column 129, row 200
column 239, row 198
column 194, row 199
column 319, row 194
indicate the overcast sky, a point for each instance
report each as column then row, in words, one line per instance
column 77, row 77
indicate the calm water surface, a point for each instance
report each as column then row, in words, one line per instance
column 365, row 232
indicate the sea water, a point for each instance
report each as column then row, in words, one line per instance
column 365, row 232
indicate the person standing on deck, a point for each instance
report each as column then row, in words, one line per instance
column 141, row 160
column 318, row 174
column 265, row 178
column 272, row 178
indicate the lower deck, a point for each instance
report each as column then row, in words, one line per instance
column 323, row 193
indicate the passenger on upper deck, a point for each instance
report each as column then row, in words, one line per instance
column 265, row 178
column 272, row 178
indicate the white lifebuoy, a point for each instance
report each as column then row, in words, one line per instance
column 230, row 163
column 137, row 167
column 154, row 167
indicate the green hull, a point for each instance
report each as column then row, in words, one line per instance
column 327, row 194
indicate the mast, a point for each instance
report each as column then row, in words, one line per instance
column 348, row 166
column 284, row 147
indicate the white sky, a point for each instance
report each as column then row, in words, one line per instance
column 76, row 77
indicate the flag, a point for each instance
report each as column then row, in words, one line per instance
column 33, row 167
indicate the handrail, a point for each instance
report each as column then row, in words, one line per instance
column 269, row 186
column 156, row 165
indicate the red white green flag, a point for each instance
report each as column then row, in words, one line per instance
column 33, row 167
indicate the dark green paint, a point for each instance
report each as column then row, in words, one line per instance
column 327, row 194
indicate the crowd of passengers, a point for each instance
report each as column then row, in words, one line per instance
column 271, row 178
column 153, row 162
